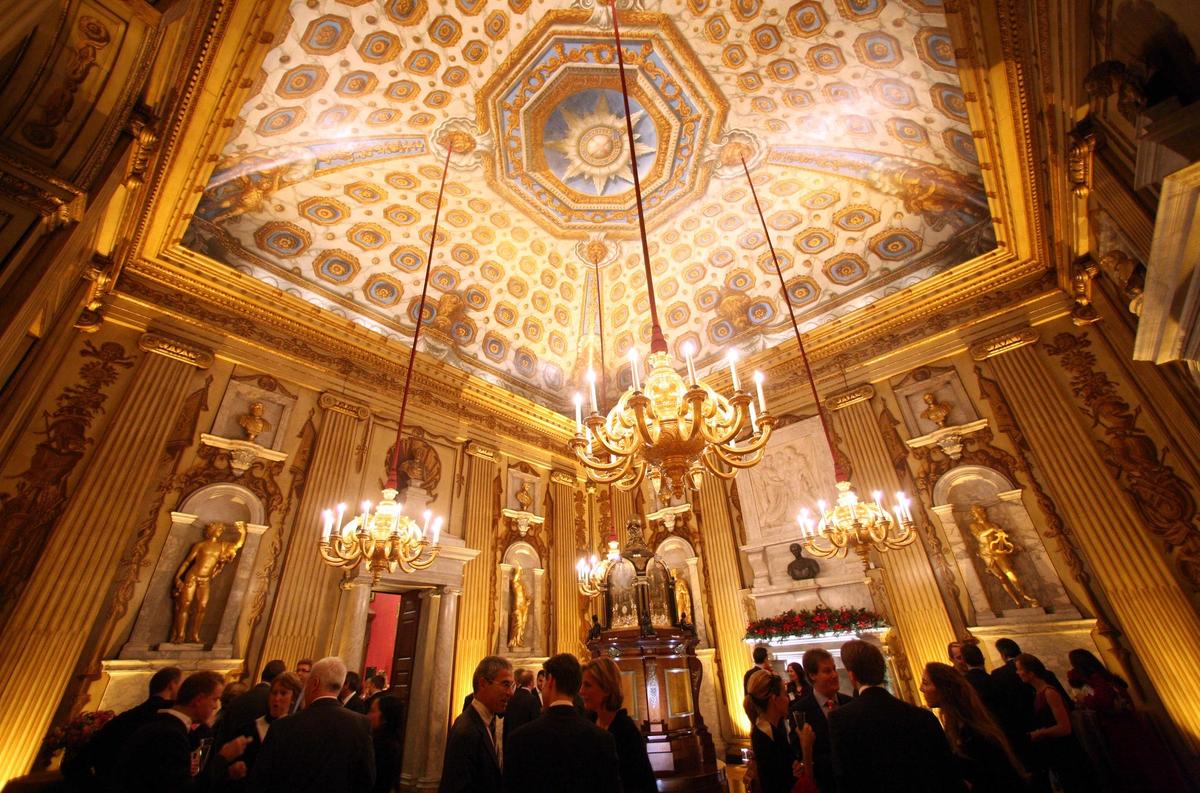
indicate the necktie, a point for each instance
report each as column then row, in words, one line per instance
column 829, row 706
column 495, row 742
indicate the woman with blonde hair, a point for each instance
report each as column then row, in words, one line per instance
column 766, row 704
column 601, row 694
column 985, row 759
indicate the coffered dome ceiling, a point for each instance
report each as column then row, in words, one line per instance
column 849, row 113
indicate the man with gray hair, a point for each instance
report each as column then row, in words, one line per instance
column 324, row 748
column 475, row 748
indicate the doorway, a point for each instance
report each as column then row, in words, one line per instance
column 393, row 621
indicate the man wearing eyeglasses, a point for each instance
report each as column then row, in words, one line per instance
column 475, row 749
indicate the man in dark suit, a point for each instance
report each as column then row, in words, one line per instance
column 100, row 754
column 981, row 681
column 561, row 751
column 248, row 706
column 524, row 706
column 816, row 707
column 760, row 655
column 882, row 743
column 324, row 748
column 473, row 748
column 349, row 694
column 158, row 757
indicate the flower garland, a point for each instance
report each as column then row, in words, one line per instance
column 74, row 734
column 820, row 621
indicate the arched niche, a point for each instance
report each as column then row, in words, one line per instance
column 524, row 557
column 954, row 494
column 680, row 558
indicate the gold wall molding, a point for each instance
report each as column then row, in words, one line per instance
column 853, row 396
column 1002, row 343
column 482, row 452
column 567, row 478
column 177, row 349
column 339, row 404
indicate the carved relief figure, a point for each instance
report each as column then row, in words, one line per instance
column 194, row 577
column 253, row 423
column 936, row 412
column 520, row 609
column 996, row 551
column 524, row 497
column 782, row 479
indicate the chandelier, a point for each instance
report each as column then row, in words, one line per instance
column 669, row 431
column 848, row 523
column 593, row 572
column 387, row 538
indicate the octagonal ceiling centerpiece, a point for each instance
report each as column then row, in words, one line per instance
column 849, row 113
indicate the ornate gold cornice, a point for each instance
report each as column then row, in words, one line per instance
column 176, row 349
column 564, row 478
column 1003, row 342
column 479, row 450
column 845, row 399
column 339, row 404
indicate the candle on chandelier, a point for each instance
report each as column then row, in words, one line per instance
column 902, row 511
column 805, row 522
column 878, row 496
column 633, row 369
column 341, row 511
column 591, row 379
column 732, row 357
column 437, row 529
column 753, row 419
column 366, row 514
column 328, row 528
column 578, row 413
column 689, row 350
column 758, row 386
column 427, row 516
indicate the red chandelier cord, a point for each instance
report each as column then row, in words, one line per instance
column 600, row 320
column 812, row 382
column 394, row 474
column 658, row 342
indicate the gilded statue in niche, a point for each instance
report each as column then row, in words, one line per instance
column 683, row 598
column 936, row 412
column 253, row 423
column 520, row 609
column 996, row 551
column 524, row 497
column 195, row 575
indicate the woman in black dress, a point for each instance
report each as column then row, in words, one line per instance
column 766, row 704
column 985, row 759
column 601, row 694
column 387, row 716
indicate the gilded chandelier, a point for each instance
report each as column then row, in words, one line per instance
column 387, row 539
column 669, row 431
column 593, row 572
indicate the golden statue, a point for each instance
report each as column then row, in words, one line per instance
column 524, row 497
column 202, row 564
column 996, row 551
column 683, row 598
column 936, row 412
column 253, row 423
column 520, row 609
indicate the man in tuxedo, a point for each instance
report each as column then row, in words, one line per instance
column 760, row 656
column 954, row 651
column 981, row 681
column 524, row 706
column 816, row 707
column 158, row 757
column 541, row 681
column 882, row 743
column 248, row 706
column 349, row 694
column 323, row 748
column 100, row 754
column 562, row 750
column 473, row 748
column 379, row 688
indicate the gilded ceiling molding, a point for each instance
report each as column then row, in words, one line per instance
column 339, row 404
column 564, row 478
column 479, row 450
column 1002, row 343
column 177, row 349
column 845, row 399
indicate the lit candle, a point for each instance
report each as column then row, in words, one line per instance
column 753, row 419
column 689, row 350
column 877, row 495
column 578, row 413
column 731, row 357
column 758, row 382
column 633, row 369
column 328, row 529
column 428, row 516
column 591, row 379
column 341, row 511
column 437, row 530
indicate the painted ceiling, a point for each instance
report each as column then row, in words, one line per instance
column 849, row 114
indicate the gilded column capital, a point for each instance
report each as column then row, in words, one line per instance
column 845, row 399
column 176, row 349
column 1003, row 342
column 339, row 404
column 564, row 478
column 479, row 450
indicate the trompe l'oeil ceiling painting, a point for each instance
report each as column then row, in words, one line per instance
column 848, row 112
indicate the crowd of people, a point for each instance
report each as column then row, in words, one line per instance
column 1013, row 730
column 314, row 728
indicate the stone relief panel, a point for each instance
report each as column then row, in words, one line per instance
column 431, row 468
column 970, row 499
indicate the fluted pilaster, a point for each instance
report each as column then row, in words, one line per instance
column 724, row 585
column 1154, row 613
column 567, row 632
column 43, row 639
column 475, row 623
column 917, row 610
column 302, row 621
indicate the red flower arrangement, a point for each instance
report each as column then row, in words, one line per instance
column 820, row 621
column 74, row 734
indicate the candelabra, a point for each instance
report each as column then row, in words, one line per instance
column 593, row 572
